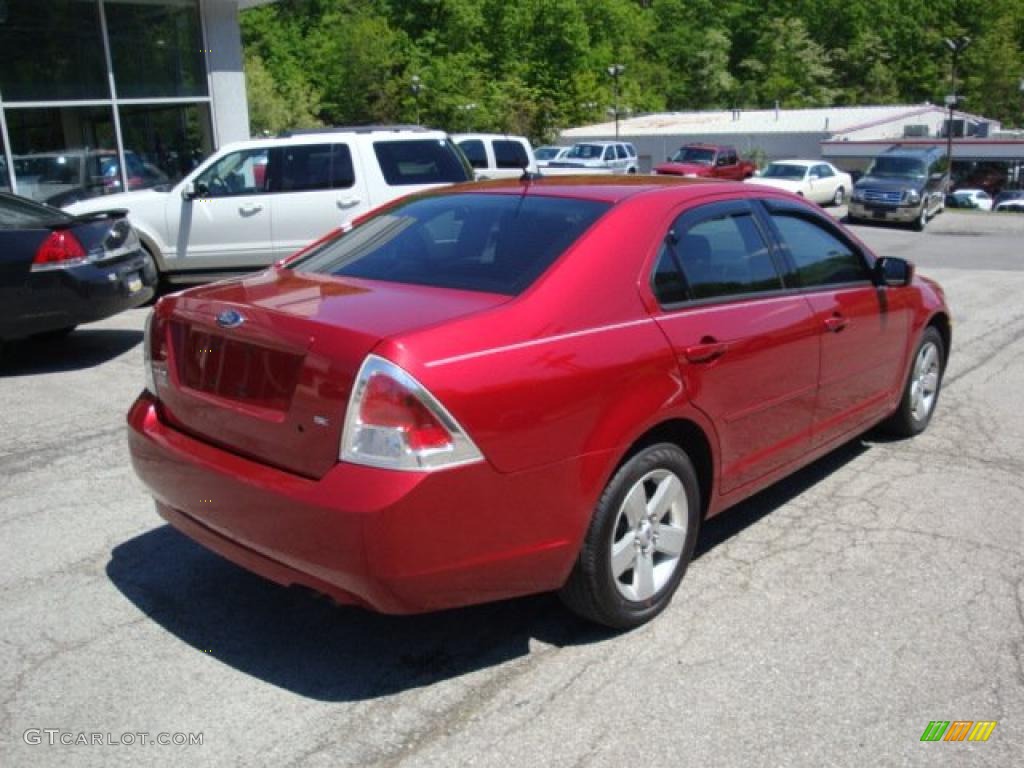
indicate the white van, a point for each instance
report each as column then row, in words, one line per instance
column 257, row 201
column 497, row 155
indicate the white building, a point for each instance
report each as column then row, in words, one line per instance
column 116, row 94
column 849, row 136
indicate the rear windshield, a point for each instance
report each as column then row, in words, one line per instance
column 423, row 161
column 19, row 213
column 474, row 242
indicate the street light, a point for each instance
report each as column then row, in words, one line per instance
column 956, row 45
column 615, row 72
column 416, row 86
column 467, row 110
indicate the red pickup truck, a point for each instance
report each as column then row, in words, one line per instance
column 708, row 161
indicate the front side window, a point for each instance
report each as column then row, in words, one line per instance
column 475, row 152
column 420, row 161
column 510, row 154
column 820, row 257
column 238, row 173
column 720, row 256
column 475, row 242
column 609, row 153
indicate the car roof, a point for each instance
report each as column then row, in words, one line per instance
column 913, row 151
column 316, row 135
column 604, row 142
column 603, row 188
column 509, row 136
column 796, row 161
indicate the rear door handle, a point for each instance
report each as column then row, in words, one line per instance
column 705, row 352
column 249, row 208
column 348, row 202
column 836, row 323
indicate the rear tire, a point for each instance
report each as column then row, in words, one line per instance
column 921, row 391
column 640, row 540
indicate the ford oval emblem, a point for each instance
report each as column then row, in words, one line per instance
column 229, row 318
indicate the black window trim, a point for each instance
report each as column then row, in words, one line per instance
column 714, row 210
column 768, row 206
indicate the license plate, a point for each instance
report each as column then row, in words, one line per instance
column 133, row 283
column 878, row 214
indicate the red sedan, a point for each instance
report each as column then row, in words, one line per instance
column 514, row 387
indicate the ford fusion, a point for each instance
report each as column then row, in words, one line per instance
column 525, row 386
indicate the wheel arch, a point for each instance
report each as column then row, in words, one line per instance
column 690, row 437
column 940, row 322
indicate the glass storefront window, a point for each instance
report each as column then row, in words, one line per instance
column 156, row 48
column 63, row 154
column 52, row 53
column 162, row 143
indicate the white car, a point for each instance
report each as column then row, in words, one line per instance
column 254, row 202
column 816, row 180
column 497, row 155
column 597, row 156
column 972, row 198
column 547, row 154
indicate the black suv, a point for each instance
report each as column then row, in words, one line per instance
column 903, row 185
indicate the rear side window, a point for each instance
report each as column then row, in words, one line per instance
column 312, row 167
column 475, row 242
column 420, row 161
column 620, row 152
column 510, row 154
column 820, row 257
column 725, row 256
column 475, row 152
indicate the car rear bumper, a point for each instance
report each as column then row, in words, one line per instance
column 396, row 542
column 61, row 298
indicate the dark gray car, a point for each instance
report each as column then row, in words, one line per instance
column 901, row 185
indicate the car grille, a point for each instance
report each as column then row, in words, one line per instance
column 885, row 197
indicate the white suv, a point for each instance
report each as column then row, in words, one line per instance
column 257, row 201
column 609, row 156
column 496, row 155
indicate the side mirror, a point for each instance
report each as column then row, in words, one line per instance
column 188, row 192
column 893, row 271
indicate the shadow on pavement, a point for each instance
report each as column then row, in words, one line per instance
column 308, row 645
column 84, row 348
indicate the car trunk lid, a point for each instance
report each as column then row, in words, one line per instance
column 263, row 366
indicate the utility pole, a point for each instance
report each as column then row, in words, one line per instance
column 956, row 45
column 416, row 86
column 615, row 72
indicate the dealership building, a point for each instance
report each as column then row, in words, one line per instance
column 849, row 137
column 106, row 95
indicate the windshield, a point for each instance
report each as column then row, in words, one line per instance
column 546, row 153
column 784, row 171
column 586, row 152
column 696, row 155
column 472, row 242
column 897, row 168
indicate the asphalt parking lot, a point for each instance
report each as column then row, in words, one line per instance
column 826, row 621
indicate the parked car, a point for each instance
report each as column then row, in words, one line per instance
column 969, row 198
column 718, row 161
column 497, row 155
column 57, row 270
column 544, row 155
column 600, row 156
column 901, row 185
column 1009, row 201
column 257, row 201
column 818, row 181
column 518, row 386
column 62, row 178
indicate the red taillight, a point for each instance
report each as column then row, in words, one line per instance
column 60, row 249
column 394, row 422
column 386, row 403
column 154, row 351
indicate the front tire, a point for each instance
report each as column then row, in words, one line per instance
column 640, row 540
column 921, row 392
column 922, row 218
column 839, row 197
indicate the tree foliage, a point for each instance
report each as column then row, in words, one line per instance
column 536, row 66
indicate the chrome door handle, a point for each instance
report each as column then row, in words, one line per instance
column 249, row 208
column 348, row 202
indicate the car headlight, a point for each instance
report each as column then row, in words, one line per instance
column 911, row 197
